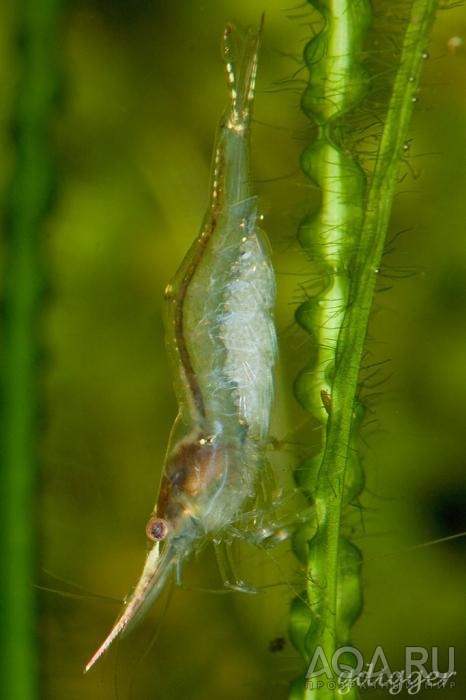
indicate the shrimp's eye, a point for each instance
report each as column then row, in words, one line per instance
column 157, row 529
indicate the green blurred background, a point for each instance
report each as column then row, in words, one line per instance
column 141, row 90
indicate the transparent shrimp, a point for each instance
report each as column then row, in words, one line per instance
column 221, row 339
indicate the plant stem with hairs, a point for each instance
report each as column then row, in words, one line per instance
column 345, row 237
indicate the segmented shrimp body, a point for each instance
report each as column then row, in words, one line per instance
column 221, row 339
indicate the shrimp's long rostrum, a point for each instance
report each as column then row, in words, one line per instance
column 221, row 338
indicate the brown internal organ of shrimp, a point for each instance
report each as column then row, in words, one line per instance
column 193, row 468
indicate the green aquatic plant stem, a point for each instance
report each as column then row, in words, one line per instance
column 337, row 83
column 334, row 478
column 28, row 201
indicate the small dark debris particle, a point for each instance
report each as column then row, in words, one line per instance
column 277, row 644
